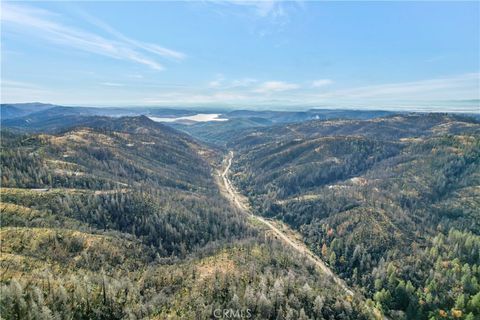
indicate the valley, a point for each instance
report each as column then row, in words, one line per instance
column 292, row 241
column 123, row 217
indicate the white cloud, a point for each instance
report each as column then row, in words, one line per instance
column 17, row 91
column 193, row 98
column 466, row 86
column 245, row 82
column 153, row 48
column 276, row 86
column 269, row 8
column 161, row 51
column 264, row 17
column 18, row 84
column 274, row 9
column 215, row 84
column 261, row 8
column 218, row 82
column 112, row 84
column 44, row 24
column 321, row 83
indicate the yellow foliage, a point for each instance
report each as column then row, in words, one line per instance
column 324, row 250
column 442, row 313
column 456, row 313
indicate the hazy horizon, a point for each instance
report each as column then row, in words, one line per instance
column 461, row 107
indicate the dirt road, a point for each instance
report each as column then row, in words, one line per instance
column 240, row 201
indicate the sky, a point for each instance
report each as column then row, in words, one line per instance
column 243, row 54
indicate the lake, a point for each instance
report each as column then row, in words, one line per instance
column 200, row 117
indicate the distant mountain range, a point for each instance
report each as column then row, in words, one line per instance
column 37, row 117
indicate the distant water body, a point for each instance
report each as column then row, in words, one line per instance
column 200, row 117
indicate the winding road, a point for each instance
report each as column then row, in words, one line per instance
column 240, row 202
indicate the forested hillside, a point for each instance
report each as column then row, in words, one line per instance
column 391, row 204
column 122, row 218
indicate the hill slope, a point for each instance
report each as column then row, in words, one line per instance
column 122, row 218
column 375, row 197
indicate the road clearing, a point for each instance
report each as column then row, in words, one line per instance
column 241, row 203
